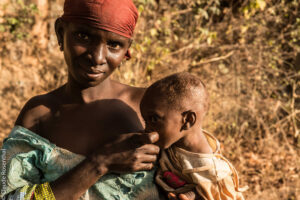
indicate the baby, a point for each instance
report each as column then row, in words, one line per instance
column 175, row 107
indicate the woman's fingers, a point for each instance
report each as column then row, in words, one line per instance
column 145, row 167
column 153, row 137
column 149, row 158
column 140, row 139
column 149, row 149
column 149, row 138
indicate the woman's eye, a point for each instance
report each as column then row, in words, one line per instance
column 114, row 45
column 82, row 36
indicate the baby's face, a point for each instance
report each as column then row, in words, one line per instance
column 165, row 121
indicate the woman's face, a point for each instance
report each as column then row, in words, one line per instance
column 92, row 54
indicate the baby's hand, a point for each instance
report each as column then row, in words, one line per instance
column 192, row 195
column 175, row 182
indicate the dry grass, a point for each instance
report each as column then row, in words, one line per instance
column 250, row 66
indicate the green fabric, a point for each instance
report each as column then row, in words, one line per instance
column 29, row 159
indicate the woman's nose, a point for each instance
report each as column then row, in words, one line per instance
column 99, row 55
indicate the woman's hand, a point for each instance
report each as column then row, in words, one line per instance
column 129, row 153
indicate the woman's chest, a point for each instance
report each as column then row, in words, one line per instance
column 81, row 129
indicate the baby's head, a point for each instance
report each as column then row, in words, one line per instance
column 174, row 107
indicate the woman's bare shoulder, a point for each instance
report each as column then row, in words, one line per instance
column 36, row 108
column 131, row 93
column 137, row 93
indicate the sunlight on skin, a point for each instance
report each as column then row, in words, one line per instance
column 187, row 196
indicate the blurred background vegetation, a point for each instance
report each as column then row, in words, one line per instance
column 246, row 51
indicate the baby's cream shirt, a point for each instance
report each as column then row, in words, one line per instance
column 211, row 175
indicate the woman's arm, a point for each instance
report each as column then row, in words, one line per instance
column 74, row 184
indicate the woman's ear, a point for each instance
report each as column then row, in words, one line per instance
column 130, row 42
column 189, row 118
column 128, row 55
column 59, row 30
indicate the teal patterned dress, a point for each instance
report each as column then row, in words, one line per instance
column 29, row 159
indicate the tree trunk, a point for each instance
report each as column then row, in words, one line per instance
column 40, row 29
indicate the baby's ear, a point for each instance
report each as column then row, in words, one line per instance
column 189, row 118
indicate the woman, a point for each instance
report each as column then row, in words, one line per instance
column 85, row 139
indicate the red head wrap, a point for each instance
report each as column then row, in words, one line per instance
column 118, row 16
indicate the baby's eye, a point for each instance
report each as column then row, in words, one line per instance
column 114, row 45
column 153, row 119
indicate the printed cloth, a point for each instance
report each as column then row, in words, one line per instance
column 211, row 175
column 30, row 162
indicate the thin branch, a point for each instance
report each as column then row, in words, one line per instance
column 190, row 46
column 294, row 117
column 181, row 12
column 288, row 117
column 214, row 59
column 182, row 49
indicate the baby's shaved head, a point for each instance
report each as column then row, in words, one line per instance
column 180, row 91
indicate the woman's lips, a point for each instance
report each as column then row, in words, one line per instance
column 93, row 74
